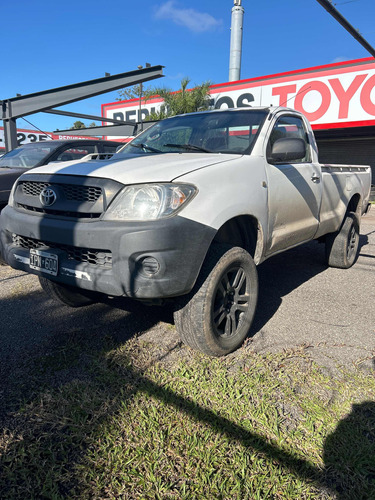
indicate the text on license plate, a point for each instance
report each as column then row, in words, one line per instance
column 44, row 261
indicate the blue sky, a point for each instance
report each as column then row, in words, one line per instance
column 50, row 44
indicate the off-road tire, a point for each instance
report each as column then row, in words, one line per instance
column 67, row 295
column 342, row 246
column 2, row 261
column 215, row 318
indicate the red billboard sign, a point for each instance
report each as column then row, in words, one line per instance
column 25, row 136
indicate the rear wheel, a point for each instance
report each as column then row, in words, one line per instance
column 342, row 246
column 216, row 316
column 2, row 262
column 67, row 295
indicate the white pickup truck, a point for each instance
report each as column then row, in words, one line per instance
column 185, row 212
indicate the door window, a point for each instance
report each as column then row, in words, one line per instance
column 290, row 127
column 75, row 153
column 109, row 148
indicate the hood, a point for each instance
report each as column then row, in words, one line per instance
column 131, row 169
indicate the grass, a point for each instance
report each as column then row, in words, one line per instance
column 248, row 426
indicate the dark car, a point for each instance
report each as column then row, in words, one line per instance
column 35, row 154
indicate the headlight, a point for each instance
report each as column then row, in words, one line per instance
column 149, row 201
column 11, row 196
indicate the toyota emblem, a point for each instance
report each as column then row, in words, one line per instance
column 47, row 197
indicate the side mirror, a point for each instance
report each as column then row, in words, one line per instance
column 286, row 150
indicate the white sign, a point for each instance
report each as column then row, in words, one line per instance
column 334, row 96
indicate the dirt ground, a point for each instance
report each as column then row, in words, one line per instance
column 302, row 302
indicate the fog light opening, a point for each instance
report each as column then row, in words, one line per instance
column 149, row 266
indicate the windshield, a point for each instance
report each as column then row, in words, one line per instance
column 231, row 132
column 26, row 156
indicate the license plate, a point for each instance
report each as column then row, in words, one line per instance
column 45, row 262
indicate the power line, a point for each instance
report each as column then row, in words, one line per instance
column 45, row 133
column 327, row 5
column 343, row 3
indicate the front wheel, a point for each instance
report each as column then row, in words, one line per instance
column 67, row 295
column 342, row 247
column 216, row 316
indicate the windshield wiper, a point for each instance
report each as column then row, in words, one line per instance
column 191, row 147
column 145, row 146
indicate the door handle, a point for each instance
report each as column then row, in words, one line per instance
column 315, row 177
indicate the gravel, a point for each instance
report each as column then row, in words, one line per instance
column 302, row 303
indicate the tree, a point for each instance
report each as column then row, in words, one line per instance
column 78, row 124
column 134, row 92
column 182, row 101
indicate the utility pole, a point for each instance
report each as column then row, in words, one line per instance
column 326, row 4
column 236, row 41
column 148, row 65
column 140, row 102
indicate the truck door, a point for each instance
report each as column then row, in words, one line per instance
column 294, row 190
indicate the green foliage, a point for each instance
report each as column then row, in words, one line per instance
column 175, row 102
column 144, row 421
column 77, row 125
column 131, row 92
column 181, row 102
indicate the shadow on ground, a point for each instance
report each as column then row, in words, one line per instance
column 49, row 346
column 348, row 473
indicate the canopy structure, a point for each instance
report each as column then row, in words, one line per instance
column 47, row 100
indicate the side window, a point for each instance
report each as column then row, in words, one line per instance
column 288, row 127
column 75, row 153
column 110, row 148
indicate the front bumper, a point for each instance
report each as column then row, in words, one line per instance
column 179, row 246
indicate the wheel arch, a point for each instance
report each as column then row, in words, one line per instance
column 243, row 231
column 355, row 205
